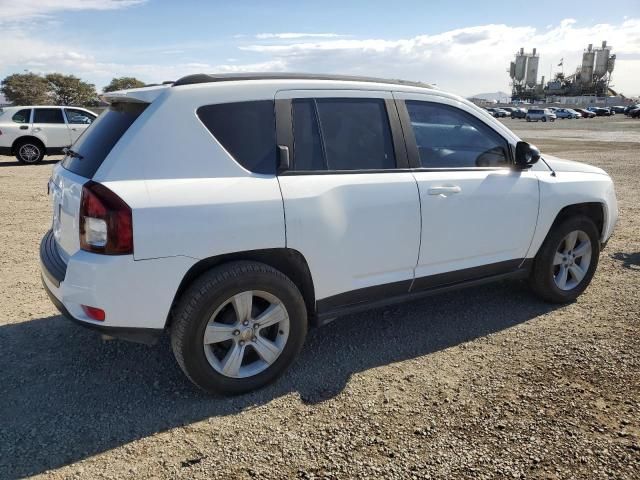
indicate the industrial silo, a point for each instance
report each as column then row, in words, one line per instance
column 611, row 64
column 586, row 71
column 532, row 69
column 512, row 70
column 602, row 61
column 521, row 65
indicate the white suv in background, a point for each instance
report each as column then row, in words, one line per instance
column 236, row 211
column 543, row 114
column 30, row 133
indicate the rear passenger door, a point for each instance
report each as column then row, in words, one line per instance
column 351, row 204
column 78, row 121
column 49, row 125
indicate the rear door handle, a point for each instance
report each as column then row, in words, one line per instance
column 444, row 190
column 24, row 127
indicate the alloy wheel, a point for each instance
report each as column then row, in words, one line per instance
column 246, row 334
column 29, row 153
column 571, row 260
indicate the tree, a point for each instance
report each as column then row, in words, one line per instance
column 70, row 90
column 25, row 89
column 123, row 83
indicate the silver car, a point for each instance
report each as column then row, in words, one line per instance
column 543, row 114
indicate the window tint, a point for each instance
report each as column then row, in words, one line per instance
column 22, row 116
column 448, row 137
column 78, row 116
column 356, row 134
column 247, row 130
column 307, row 144
column 48, row 115
column 102, row 135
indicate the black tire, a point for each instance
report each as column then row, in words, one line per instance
column 544, row 119
column 35, row 147
column 542, row 275
column 209, row 292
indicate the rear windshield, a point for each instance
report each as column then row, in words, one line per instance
column 96, row 142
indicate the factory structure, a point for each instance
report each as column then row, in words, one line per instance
column 589, row 82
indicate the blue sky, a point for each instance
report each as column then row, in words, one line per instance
column 463, row 46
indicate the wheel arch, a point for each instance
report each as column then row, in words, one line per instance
column 29, row 138
column 596, row 211
column 289, row 261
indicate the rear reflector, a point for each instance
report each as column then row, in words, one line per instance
column 94, row 313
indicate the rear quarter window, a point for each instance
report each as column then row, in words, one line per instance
column 247, row 130
column 98, row 140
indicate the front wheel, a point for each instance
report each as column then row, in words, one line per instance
column 238, row 327
column 566, row 261
column 544, row 119
column 29, row 152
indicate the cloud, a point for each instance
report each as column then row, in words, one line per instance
column 19, row 10
column 466, row 60
column 289, row 36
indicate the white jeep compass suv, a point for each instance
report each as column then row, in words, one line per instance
column 30, row 133
column 237, row 211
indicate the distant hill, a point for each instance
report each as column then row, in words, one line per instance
column 498, row 96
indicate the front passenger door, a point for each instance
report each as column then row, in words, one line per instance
column 478, row 213
column 49, row 125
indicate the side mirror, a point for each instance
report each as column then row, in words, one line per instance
column 526, row 155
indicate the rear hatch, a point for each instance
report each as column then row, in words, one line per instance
column 80, row 165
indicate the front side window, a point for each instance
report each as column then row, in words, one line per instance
column 246, row 130
column 78, row 117
column 48, row 115
column 342, row 134
column 448, row 137
column 22, row 116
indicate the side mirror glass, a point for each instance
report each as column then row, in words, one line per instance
column 526, row 155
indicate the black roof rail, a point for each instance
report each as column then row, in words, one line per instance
column 231, row 77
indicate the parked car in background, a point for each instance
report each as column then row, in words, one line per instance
column 30, row 133
column 508, row 109
column 630, row 108
column 300, row 200
column 567, row 113
column 600, row 112
column 540, row 114
column 497, row 112
column 518, row 113
column 585, row 113
column 635, row 113
column 618, row 108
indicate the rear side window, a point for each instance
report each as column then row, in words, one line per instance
column 342, row 134
column 48, row 115
column 101, row 136
column 22, row 116
column 247, row 130
column 79, row 117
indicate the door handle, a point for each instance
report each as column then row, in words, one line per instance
column 24, row 127
column 444, row 190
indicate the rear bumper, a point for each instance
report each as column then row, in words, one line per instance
column 148, row 336
column 136, row 295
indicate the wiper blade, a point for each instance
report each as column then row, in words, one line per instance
column 72, row 154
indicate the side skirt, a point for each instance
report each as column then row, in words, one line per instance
column 326, row 315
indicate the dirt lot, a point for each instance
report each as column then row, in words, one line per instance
column 483, row 383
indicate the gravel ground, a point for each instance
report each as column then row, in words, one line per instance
column 482, row 383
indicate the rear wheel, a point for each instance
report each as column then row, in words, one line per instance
column 29, row 151
column 566, row 261
column 238, row 327
column 544, row 119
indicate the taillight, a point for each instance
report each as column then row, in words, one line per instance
column 105, row 221
column 94, row 313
